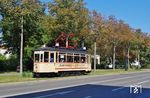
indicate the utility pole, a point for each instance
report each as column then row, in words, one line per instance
column 21, row 47
column 114, row 56
column 95, row 56
column 67, row 42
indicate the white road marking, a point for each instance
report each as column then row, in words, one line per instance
column 143, row 82
column 136, row 83
column 123, row 82
column 58, row 93
column 109, row 80
column 88, row 97
column 65, row 92
column 46, row 95
column 118, row 89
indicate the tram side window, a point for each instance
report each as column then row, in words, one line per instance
column 62, row 58
column 57, row 57
column 46, row 56
column 69, row 58
column 82, row 59
column 76, row 59
column 51, row 57
column 36, row 59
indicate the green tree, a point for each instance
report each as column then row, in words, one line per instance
column 128, row 40
column 113, row 34
column 11, row 12
column 97, row 27
column 145, row 50
column 67, row 16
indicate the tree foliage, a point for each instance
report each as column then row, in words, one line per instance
column 43, row 22
column 12, row 11
column 69, row 16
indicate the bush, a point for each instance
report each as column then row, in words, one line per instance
column 135, row 67
column 8, row 64
column 2, row 63
column 146, row 66
column 120, row 66
column 11, row 63
column 27, row 64
column 27, row 74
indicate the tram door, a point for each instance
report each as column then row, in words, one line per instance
column 52, row 61
column 38, row 59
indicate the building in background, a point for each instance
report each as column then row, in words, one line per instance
column 3, row 50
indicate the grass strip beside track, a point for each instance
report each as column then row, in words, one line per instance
column 17, row 78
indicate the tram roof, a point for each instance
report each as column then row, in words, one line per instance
column 81, row 51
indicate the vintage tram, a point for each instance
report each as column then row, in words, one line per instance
column 58, row 60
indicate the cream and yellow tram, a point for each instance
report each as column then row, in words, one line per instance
column 57, row 60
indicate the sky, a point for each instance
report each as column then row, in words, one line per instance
column 136, row 13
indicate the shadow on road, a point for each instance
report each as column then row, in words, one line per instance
column 90, row 91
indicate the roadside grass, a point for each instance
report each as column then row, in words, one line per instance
column 27, row 76
column 10, row 77
column 111, row 71
column 15, row 78
column 9, row 73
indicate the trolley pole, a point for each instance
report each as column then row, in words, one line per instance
column 21, row 47
column 94, row 56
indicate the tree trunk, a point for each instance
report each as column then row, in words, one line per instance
column 114, row 56
column 99, row 59
column 138, row 54
column 127, row 58
column 94, row 56
column 138, row 58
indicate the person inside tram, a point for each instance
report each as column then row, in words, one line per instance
column 82, row 60
column 51, row 59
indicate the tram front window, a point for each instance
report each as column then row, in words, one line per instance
column 36, row 59
column 41, row 58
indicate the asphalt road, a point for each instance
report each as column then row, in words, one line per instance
column 132, row 85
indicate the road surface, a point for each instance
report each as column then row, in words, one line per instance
column 131, row 85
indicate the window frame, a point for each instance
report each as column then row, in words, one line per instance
column 79, row 56
column 50, row 57
column 36, row 61
column 65, row 57
column 44, row 57
column 70, row 55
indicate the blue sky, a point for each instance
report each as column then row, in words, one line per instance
column 134, row 12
